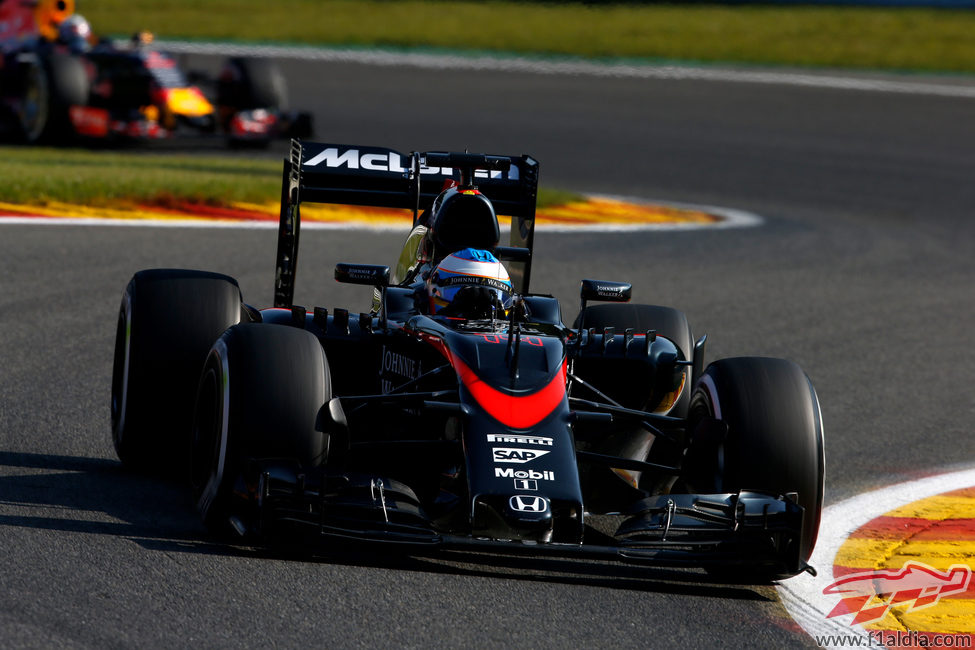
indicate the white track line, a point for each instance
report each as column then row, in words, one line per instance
column 575, row 67
column 803, row 595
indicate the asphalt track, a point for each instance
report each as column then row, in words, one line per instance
column 863, row 272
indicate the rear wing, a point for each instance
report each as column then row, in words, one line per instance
column 380, row 177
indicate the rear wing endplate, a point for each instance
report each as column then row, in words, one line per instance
column 380, row 177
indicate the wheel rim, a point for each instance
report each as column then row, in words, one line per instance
column 33, row 111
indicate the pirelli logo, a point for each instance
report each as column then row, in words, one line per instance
column 519, row 440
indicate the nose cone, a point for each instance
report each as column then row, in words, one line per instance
column 188, row 102
column 520, row 516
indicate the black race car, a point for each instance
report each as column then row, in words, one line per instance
column 462, row 411
column 58, row 83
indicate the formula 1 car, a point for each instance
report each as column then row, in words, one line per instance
column 483, row 423
column 59, row 83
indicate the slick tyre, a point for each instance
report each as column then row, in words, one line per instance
column 69, row 80
column 666, row 321
column 68, row 86
column 771, row 439
column 246, row 83
column 33, row 110
column 167, row 322
column 263, row 394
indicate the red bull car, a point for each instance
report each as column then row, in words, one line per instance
column 462, row 411
column 58, row 82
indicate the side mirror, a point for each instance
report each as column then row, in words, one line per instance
column 372, row 274
column 605, row 291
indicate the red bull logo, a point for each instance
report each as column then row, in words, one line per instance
column 871, row 594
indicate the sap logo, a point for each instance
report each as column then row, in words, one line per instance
column 509, row 455
column 522, row 474
column 519, row 440
column 526, row 503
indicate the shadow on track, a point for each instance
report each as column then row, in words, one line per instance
column 74, row 494
column 78, row 494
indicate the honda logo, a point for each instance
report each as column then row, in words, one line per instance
column 525, row 503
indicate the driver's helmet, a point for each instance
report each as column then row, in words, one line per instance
column 75, row 32
column 142, row 38
column 470, row 283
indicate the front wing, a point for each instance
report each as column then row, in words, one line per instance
column 740, row 530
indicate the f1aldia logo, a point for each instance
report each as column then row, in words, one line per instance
column 871, row 594
column 510, row 455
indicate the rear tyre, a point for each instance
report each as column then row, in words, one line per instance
column 604, row 488
column 67, row 86
column 261, row 396
column 69, row 79
column 249, row 85
column 167, row 322
column 773, row 440
column 246, row 84
column 666, row 321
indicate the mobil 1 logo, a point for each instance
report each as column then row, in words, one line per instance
column 531, row 476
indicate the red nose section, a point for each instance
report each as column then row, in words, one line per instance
column 513, row 411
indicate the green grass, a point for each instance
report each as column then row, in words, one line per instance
column 35, row 176
column 880, row 38
column 38, row 175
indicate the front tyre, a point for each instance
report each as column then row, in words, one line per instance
column 167, row 322
column 261, row 396
column 33, row 110
column 769, row 437
column 249, row 83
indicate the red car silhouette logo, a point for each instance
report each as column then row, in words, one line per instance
column 871, row 594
